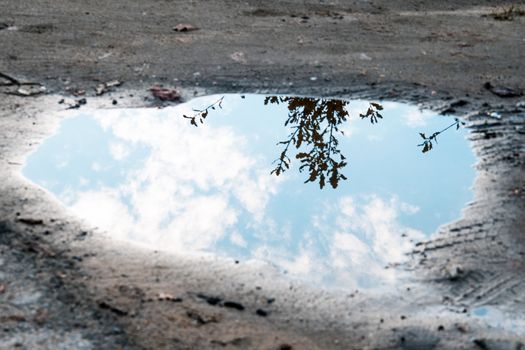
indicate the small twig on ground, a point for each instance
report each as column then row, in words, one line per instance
column 14, row 81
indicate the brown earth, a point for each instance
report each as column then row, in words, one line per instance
column 64, row 285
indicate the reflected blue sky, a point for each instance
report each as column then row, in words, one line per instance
column 499, row 319
column 147, row 175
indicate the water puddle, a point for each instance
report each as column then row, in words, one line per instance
column 365, row 194
column 499, row 319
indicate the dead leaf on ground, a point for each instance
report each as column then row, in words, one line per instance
column 185, row 27
column 165, row 94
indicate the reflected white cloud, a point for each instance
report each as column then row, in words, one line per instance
column 412, row 116
column 416, row 118
column 355, row 239
column 104, row 209
column 237, row 239
column 118, row 151
column 181, row 198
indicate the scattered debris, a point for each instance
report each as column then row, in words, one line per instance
column 233, row 305
column 503, row 91
column 106, row 55
column 168, row 297
column 165, row 94
column 216, row 301
column 79, row 92
column 501, row 344
column 27, row 92
column 40, row 28
column 261, row 312
column 462, row 328
column 238, row 57
column 235, row 342
column 364, row 57
column 209, row 299
column 105, row 87
column 73, row 104
column 41, row 316
column 418, row 338
column 285, row 347
column 481, row 344
column 29, row 221
column 506, row 13
column 200, row 319
column 12, row 318
column 459, row 103
column 114, row 309
column 40, row 249
column 78, row 103
column 82, row 235
column 185, row 27
column 451, row 107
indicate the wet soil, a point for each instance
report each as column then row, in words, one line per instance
column 63, row 285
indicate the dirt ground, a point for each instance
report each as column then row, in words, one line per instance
column 64, row 285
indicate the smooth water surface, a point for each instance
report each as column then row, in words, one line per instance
column 150, row 176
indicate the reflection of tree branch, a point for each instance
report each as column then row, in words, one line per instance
column 427, row 141
column 203, row 113
column 373, row 112
column 283, row 159
column 315, row 119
